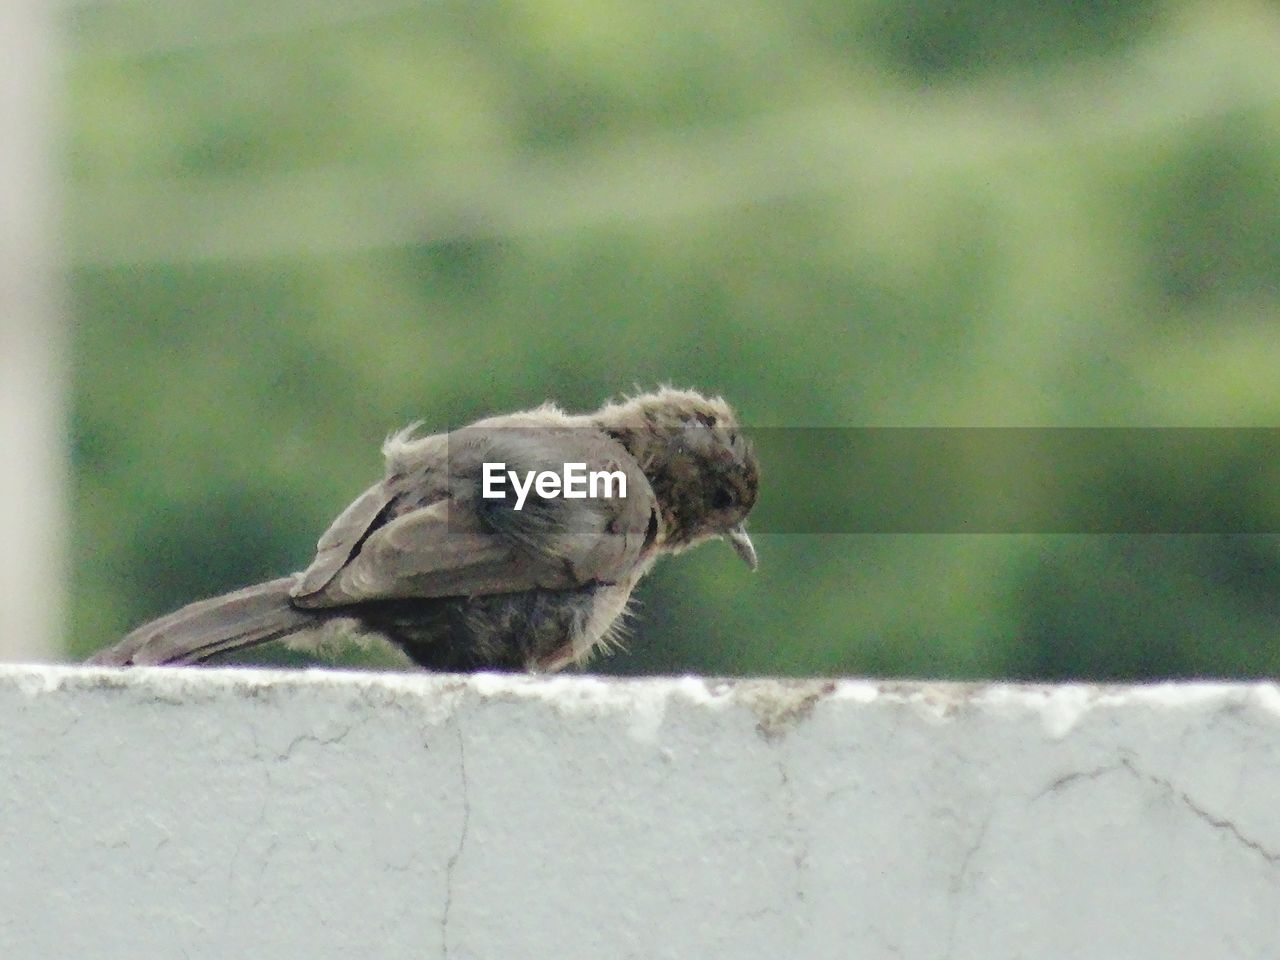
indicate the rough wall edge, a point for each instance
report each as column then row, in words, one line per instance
column 778, row 703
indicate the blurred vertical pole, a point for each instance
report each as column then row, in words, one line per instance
column 32, row 367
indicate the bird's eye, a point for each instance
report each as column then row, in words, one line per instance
column 722, row 498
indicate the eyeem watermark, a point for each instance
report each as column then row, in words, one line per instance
column 987, row 480
column 575, row 483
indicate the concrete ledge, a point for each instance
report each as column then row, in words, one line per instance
column 237, row 813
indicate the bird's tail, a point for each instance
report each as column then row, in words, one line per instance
column 206, row 628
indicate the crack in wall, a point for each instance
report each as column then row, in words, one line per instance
column 1221, row 824
column 286, row 754
column 1176, row 793
column 960, row 880
column 1067, row 779
column 452, row 863
column 796, row 833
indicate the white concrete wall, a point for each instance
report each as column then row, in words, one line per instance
column 202, row 813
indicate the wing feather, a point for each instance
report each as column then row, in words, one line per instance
column 390, row 544
column 343, row 538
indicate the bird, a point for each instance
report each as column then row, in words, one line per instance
column 445, row 559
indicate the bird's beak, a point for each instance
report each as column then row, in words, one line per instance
column 743, row 546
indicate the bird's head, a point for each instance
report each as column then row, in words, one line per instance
column 701, row 467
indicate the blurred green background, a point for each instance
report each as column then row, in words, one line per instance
column 294, row 227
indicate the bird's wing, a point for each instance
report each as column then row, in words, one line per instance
column 397, row 542
column 369, row 511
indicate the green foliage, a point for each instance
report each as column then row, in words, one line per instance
column 297, row 227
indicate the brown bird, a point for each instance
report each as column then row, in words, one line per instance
column 468, row 565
